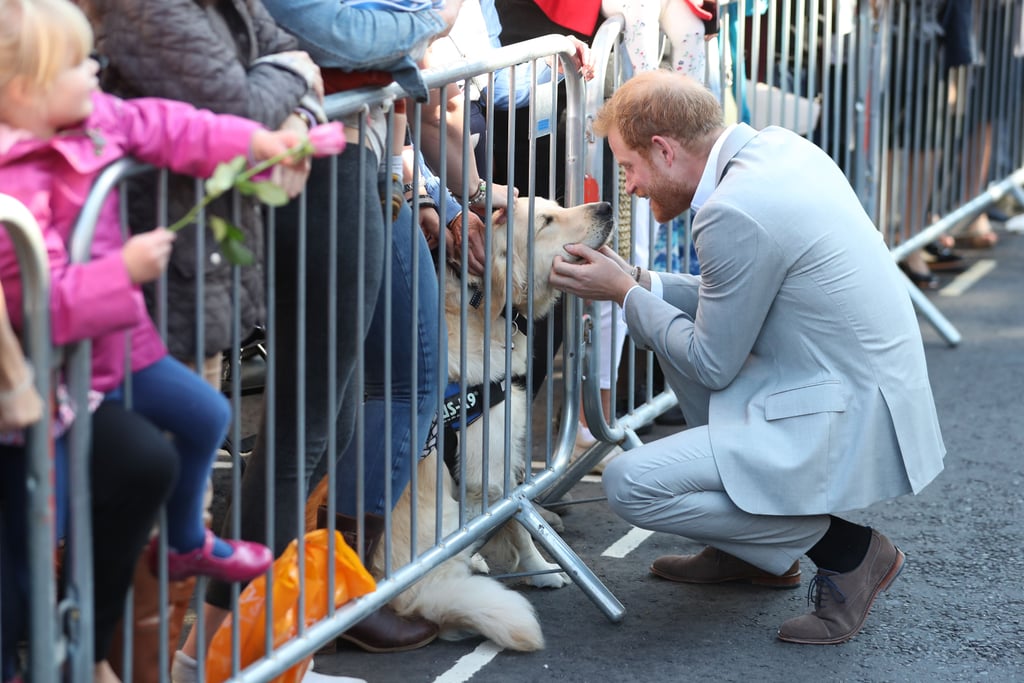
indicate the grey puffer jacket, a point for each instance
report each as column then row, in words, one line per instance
column 204, row 54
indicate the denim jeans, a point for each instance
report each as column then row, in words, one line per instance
column 414, row 337
column 302, row 431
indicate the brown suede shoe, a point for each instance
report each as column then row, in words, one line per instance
column 714, row 566
column 842, row 601
column 386, row 631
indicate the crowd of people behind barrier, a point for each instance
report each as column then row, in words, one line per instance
column 188, row 84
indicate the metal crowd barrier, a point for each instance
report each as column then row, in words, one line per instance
column 46, row 647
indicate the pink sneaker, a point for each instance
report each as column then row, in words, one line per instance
column 247, row 561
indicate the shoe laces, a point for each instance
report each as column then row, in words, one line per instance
column 821, row 582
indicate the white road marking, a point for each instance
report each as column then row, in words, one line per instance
column 967, row 279
column 628, row 543
column 468, row 665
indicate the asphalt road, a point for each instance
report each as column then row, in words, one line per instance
column 955, row 614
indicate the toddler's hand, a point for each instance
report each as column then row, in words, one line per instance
column 146, row 255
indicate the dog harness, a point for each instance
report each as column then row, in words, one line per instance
column 452, row 411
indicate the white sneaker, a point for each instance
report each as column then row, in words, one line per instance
column 184, row 669
column 584, row 439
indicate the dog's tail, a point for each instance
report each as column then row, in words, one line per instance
column 470, row 605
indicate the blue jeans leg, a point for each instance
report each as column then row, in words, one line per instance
column 413, row 338
column 179, row 401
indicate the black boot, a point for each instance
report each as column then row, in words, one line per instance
column 383, row 630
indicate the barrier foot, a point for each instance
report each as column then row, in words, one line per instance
column 932, row 314
column 570, row 562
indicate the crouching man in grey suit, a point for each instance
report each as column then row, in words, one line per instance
column 796, row 357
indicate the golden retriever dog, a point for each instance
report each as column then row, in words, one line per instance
column 455, row 595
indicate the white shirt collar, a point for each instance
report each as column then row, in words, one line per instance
column 707, row 179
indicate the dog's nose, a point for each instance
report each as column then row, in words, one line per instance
column 603, row 210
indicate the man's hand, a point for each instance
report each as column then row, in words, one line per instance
column 598, row 276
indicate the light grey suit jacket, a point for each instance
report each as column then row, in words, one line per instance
column 802, row 332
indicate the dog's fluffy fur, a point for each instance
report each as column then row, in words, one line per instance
column 455, row 596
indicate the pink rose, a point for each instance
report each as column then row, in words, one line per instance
column 327, row 139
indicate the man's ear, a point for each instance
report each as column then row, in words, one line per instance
column 664, row 148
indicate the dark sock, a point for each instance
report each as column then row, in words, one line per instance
column 843, row 546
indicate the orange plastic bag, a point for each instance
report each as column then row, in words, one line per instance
column 351, row 580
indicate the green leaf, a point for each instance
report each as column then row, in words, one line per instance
column 224, row 176
column 220, row 228
column 231, row 241
column 271, row 194
column 237, row 253
column 246, row 187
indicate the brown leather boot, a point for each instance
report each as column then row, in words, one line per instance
column 146, row 628
column 383, row 630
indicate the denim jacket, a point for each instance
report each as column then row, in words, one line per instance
column 355, row 39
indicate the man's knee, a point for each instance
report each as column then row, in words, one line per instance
column 621, row 490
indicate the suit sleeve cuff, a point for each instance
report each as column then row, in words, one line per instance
column 657, row 289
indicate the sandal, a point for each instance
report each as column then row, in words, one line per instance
column 978, row 240
column 978, row 235
column 944, row 259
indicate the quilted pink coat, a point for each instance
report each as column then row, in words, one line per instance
column 52, row 178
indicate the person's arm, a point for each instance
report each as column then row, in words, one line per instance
column 178, row 136
column 742, row 269
column 20, row 403
column 340, row 36
column 456, row 163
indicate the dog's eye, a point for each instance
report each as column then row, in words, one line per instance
column 544, row 222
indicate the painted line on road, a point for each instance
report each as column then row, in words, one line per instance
column 967, row 279
column 468, row 665
column 628, row 543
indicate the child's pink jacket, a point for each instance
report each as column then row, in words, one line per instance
column 52, row 178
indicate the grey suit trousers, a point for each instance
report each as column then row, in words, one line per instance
column 673, row 485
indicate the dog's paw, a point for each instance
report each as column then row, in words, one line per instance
column 478, row 564
column 551, row 580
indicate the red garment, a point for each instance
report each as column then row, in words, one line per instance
column 581, row 15
column 339, row 80
column 575, row 15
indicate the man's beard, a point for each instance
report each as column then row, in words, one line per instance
column 668, row 199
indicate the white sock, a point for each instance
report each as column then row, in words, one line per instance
column 184, row 669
